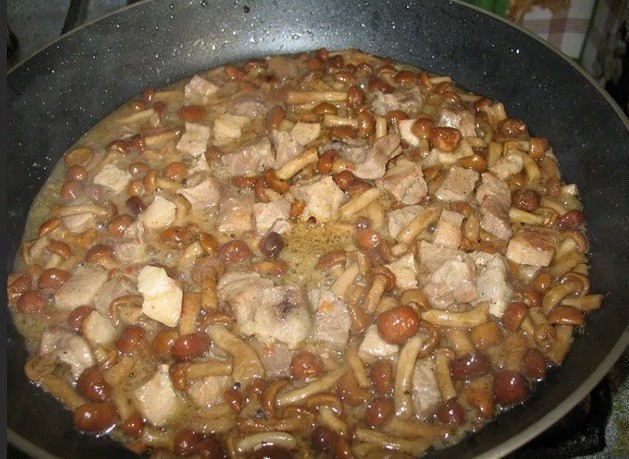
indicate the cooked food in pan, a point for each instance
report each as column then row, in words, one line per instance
column 327, row 254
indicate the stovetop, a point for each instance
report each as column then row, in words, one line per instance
column 596, row 428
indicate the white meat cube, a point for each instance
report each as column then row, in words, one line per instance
column 79, row 223
column 304, row 133
column 208, row 392
column 162, row 295
column 203, row 195
column 98, row 330
column 199, row 90
column 81, row 288
column 373, row 347
column 405, row 271
column 332, row 320
column 433, row 256
column 194, row 139
column 322, row 197
column 455, row 281
column 265, row 214
column 235, row 214
column 448, row 231
column 228, row 127
column 250, row 159
column 426, row 395
column 458, row 184
column 159, row 214
column 286, row 147
column 67, row 348
column 112, row 177
column 492, row 282
column 156, row 400
column 405, row 181
column 507, row 165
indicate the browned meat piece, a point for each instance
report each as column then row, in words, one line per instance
column 532, row 245
column 494, row 198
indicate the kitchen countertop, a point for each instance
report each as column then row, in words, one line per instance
column 49, row 17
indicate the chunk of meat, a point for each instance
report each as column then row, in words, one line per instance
column 113, row 178
column 67, row 348
column 494, row 198
column 373, row 164
column 248, row 106
column 433, row 256
column 208, row 392
column 458, row 185
column 131, row 249
column 81, row 288
column 276, row 358
column 283, row 68
column 241, row 290
column 405, row 181
column 114, row 288
column 98, row 330
column 532, row 245
column 322, row 197
column 461, row 119
column 250, row 159
column 507, row 165
column 159, row 214
column 203, row 195
column 492, row 281
column 285, row 147
column 79, row 223
column 162, row 295
column 228, row 127
column 398, row 219
column 448, row 231
column 331, row 319
column 199, row 90
column 156, row 400
column 426, row 395
column 405, row 271
column 265, row 214
column 409, row 101
column 235, row 213
column 194, row 140
column 281, row 314
column 455, row 281
column 304, row 133
column 373, row 347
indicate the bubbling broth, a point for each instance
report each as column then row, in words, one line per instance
column 315, row 255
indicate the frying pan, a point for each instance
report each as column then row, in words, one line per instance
column 62, row 91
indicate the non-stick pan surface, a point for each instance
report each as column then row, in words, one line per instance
column 62, row 91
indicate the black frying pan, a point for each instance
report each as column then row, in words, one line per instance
column 62, row 91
